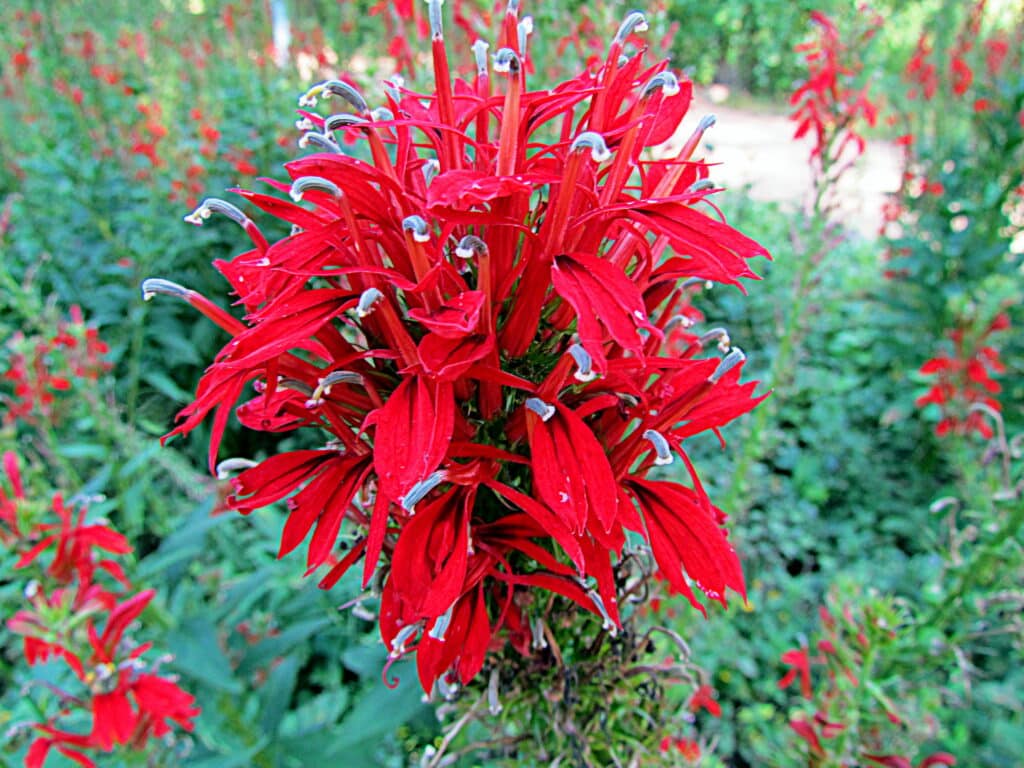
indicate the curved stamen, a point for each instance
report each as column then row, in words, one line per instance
column 585, row 371
column 661, row 447
column 212, row 205
column 699, row 186
column 228, row 467
column 304, row 184
column 608, row 625
column 706, row 122
column 419, row 228
column 470, row 246
column 399, row 641
column 367, row 301
column 419, row 491
column 343, row 120
column 320, row 140
column 666, row 81
column 441, row 624
column 716, row 334
column 595, row 143
column 324, row 385
column 507, row 61
column 151, row 286
column 730, row 361
column 542, row 409
column 382, row 114
column 634, row 22
column 681, row 320
column 330, row 88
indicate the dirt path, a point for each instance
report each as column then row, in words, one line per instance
column 755, row 146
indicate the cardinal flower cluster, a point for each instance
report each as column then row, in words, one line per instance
column 468, row 327
column 80, row 610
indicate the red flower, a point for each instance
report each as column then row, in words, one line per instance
column 800, row 664
column 468, row 321
column 704, row 698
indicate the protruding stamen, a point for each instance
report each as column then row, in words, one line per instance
column 584, row 363
column 419, row 228
column 212, row 205
column 441, row 624
column 681, row 320
column 700, row 185
column 151, row 286
column 507, row 61
column 304, row 184
column 730, row 361
column 493, row 702
column 436, row 19
column 419, row 491
column 539, row 642
column 446, row 689
column 323, row 387
column 607, row 625
column 399, row 641
column 666, row 81
column 480, row 49
column 595, row 143
column 330, row 88
column 382, row 114
column 512, row 8
column 367, row 301
column 716, row 334
column 470, row 246
column 320, row 140
column 430, row 169
column 542, row 409
column 305, row 124
column 228, row 467
column 334, row 122
column 524, row 29
column 634, row 22
column 706, row 122
column 661, row 447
